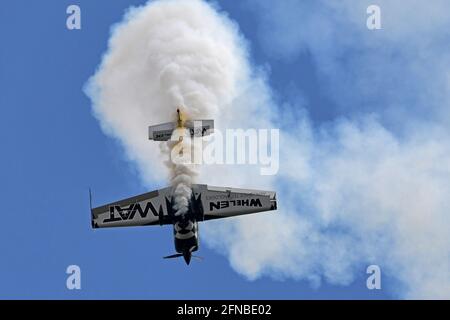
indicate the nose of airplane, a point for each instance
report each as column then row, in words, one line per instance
column 187, row 257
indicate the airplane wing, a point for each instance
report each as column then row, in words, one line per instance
column 143, row 210
column 222, row 202
column 161, row 132
column 200, row 128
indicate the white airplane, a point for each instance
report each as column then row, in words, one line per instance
column 206, row 202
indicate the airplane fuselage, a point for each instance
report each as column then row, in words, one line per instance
column 185, row 232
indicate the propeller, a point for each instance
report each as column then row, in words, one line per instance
column 176, row 255
column 187, row 257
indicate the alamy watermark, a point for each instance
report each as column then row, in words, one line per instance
column 73, row 21
column 73, row 281
column 374, row 280
column 374, row 19
column 259, row 147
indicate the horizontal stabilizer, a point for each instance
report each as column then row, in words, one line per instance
column 197, row 128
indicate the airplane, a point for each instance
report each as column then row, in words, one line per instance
column 206, row 202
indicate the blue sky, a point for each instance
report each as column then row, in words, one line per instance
column 53, row 150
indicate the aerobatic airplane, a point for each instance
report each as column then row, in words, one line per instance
column 206, row 203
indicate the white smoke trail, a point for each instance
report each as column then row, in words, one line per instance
column 181, row 168
column 349, row 195
column 167, row 55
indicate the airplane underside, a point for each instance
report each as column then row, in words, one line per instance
column 206, row 203
column 185, row 238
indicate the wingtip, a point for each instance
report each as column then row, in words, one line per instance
column 90, row 199
column 94, row 224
